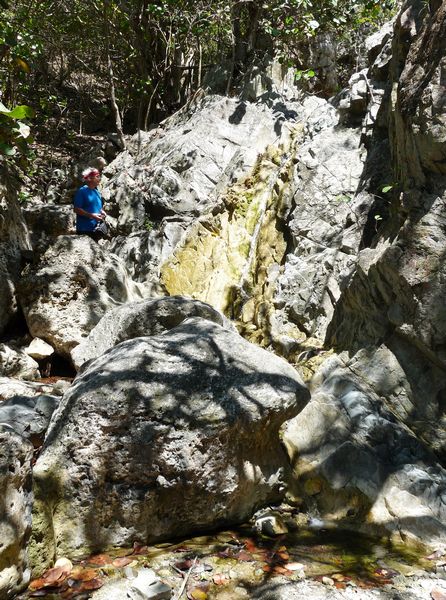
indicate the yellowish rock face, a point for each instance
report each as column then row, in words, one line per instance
column 209, row 264
column 225, row 260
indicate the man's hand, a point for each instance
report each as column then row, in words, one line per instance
column 98, row 216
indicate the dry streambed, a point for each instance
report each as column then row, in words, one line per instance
column 244, row 564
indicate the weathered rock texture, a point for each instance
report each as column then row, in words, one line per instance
column 145, row 318
column 375, row 426
column 162, row 436
column 15, row 512
column 68, row 290
column 29, row 415
column 14, row 238
column 182, row 171
column 14, row 362
column 355, row 457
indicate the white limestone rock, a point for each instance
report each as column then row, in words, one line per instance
column 161, row 436
column 71, row 287
column 144, row 318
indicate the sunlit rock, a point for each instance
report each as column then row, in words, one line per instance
column 144, row 318
column 163, row 436
column 38, row 349
column 353, row 439
column 70, row 288
column 15, row 362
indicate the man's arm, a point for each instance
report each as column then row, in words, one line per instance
column 83, row 213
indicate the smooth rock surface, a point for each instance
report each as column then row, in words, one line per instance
column 38, row 349
column 181, row 167
column 369, row 465
column 145, row 318
column 29, row 416
column 162, row 436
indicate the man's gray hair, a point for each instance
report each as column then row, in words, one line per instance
column 89, row 172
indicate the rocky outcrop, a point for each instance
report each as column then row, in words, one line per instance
column 375, row 426
column 69, row 289
column 48, row 220
column 354, row 456
column 15, row 512
column 162, row 436
column 15, row 362
column 145, row 318
column 182, row 167
column 14, row 239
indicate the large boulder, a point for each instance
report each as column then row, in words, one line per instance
column 162, row 436
column 145, row 318
column 15, row 511
column 356, row 459
column 70, row 288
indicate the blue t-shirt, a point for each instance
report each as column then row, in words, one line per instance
column 89, row 200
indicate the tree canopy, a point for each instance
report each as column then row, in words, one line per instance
column 134, row 61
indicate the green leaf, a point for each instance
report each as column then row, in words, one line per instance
column 7, row 149
column 19, row 112
column 386, row 189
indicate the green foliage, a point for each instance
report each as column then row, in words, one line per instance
column 304, row 74
column 148, row 225
column 160, row 50
column 14, row 134
column 343, row 198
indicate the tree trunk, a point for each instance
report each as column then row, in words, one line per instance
column 114, row 105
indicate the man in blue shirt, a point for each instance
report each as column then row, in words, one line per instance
column 88, row 205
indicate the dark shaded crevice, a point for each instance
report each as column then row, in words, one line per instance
column 58, row 366
column 16, row 328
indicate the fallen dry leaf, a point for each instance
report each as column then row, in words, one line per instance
column 250, row 545
column 81, row 574
column 283, row 555
column 340, row 585
column 122, row 561
column 220, row 579
column 244, row 556
column 226, row 553
column 98, row 559
column 185, row 565
column 279, row 570
column 92, row 584
column 51, row 578
column 139, row 549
